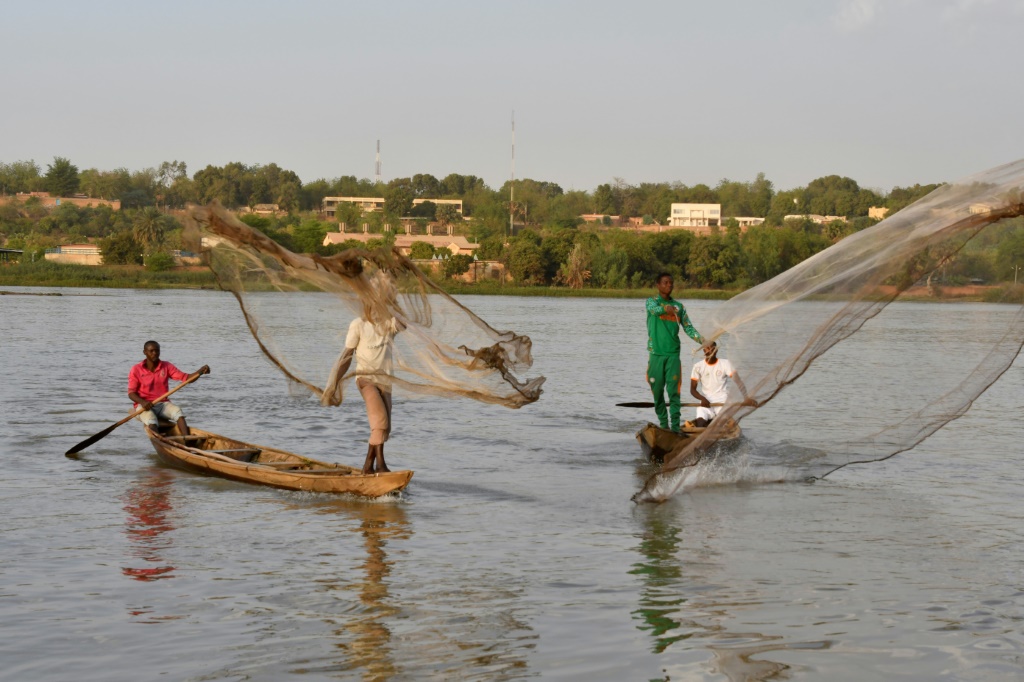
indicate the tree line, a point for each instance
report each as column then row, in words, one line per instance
column 550, row 245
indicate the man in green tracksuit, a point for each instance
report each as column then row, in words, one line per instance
column 664, row 371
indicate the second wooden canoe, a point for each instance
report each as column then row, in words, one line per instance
column 656, row 442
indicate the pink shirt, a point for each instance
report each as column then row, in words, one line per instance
column 152, row 385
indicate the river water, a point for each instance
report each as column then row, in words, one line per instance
column 516, row 551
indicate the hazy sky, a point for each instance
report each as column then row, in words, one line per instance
column 888, row 92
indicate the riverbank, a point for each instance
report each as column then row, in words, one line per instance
column 47, row 274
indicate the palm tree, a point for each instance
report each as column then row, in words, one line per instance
column 148, row 227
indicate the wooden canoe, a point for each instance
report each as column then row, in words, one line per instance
column 656, row 442
column 209, row 453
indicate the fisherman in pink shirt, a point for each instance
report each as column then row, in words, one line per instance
column 147, row 381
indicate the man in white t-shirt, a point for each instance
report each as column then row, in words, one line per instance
column 371, row 346
column 711, row 375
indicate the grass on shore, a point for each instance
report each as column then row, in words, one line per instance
column 50, row 274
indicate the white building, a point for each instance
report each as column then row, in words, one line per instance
column 695, row 215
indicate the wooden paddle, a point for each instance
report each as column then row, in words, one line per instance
column 105, row 432
column 666, row 402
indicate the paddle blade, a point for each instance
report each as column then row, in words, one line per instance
column 92, row 439
column 634, row 404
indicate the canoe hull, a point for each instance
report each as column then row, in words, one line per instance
column 208, row 453
column 656, row 442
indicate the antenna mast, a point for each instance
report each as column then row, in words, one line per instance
column 376, row 168
column 512, row 185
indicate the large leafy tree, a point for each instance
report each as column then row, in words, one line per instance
column 426, row 186
column 526, row 262
column 350, row 214
column 421, row 250
column 121, row 249
column 457, row 264
column 308, row 235
column 61, row 177
column 398, row 198
column 901, row 197
column 19, row 176
column 446, row 214
column 604, row 200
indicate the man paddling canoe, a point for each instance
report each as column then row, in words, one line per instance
column 148, row 380
column 665, row 316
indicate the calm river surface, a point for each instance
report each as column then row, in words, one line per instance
column 515, row 553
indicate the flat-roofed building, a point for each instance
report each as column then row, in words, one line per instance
column 329, row 205
column 76, row 254
column 815, row 218
column 365, row 204
column 456, row 244
column 877, row 212
column 457, row 203
column 695, row 215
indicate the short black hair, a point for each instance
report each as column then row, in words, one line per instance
column 661, row 276
column 150, row 343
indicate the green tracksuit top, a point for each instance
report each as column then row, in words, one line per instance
column 663, row 329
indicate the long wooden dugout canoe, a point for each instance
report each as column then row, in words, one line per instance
column 656, row 442
column 205, row 452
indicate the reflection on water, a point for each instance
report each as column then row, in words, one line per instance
column 369, row 635
column 660, row 570
column 148, row 504
column 669, row 593
column 364, row 634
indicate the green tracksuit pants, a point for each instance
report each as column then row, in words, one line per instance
column 664, row 373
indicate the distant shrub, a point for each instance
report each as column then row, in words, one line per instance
column 160, row 262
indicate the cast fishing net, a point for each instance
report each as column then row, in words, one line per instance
column 443, row 349
column 947, row 354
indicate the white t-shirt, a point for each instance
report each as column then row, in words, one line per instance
column 712, row 379
column 372, row 349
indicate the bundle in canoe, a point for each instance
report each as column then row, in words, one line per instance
column 656, row 442
column 205, row 452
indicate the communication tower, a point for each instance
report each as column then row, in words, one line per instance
column 376, row 168
column 512, row 185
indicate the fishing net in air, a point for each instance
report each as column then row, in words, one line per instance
column 299, row 307
column 858, row 326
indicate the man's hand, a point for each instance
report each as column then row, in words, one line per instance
column 704, row 402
